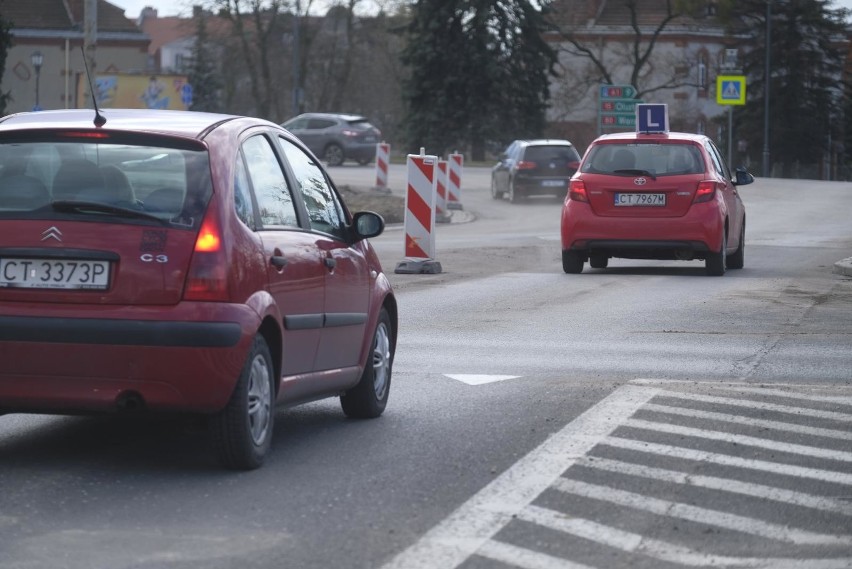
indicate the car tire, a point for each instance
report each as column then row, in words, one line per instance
column 572, row 262
column 737, row 260
column 515, row 197
column 333, row 155
column 369, row 397
column 716, row 262
column 497, row 195
column 598, row 261
column 242, row 431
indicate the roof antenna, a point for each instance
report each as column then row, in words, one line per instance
column 100, row 120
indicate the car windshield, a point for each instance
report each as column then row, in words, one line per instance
column 59, row 178
column 656, row 159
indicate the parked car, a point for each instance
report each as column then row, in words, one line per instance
column 336, row 138
column 665, row 195
column 184, row 262
column 534, row 167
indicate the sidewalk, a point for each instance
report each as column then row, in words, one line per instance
column 844, row 267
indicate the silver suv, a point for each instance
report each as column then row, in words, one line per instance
column 336, row 137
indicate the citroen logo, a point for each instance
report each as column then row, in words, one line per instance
column 640, row 181
column 51, row 233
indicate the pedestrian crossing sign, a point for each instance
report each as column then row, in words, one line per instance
column 731, row 89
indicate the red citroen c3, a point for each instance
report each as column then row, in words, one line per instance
column 661, row 195
column 184, row 262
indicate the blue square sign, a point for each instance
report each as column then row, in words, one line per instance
column 652, row 118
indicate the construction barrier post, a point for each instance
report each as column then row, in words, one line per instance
column 454, row 181
column 419, row 220
column 441, row 213
column 382, row 161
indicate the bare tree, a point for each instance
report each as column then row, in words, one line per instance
column 636, row 53
column 255, row 28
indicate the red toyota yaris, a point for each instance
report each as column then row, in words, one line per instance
column 665, row 195
column 184, row 262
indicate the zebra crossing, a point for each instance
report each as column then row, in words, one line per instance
column 669, row 474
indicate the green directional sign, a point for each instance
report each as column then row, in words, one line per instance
column 619, row 120
column 617, row 92
column 619, row 106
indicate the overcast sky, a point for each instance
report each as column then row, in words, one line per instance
column 132, row 8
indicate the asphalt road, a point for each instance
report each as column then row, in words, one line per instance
column 640, row 416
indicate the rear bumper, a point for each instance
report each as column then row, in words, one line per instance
column 692, row 235
column 79, row 361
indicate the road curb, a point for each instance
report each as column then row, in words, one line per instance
column 844, row 267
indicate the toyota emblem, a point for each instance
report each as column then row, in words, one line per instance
column 640, row 181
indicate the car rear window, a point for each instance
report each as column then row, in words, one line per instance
column 551, row 152
column 360, row 124
column 658, row 159
column 50, row 178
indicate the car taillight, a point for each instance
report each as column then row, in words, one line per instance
column 525, row 165
column 577, row 191
column 350, row 133
column 705, row 192
column 207, row 278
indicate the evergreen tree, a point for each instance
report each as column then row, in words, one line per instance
column 478, row 73
column 806, row 96
column 204, row 78
column 5, row 46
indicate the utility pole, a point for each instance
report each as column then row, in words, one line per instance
column 90, row 36
column 297, row 87
column 766, row 84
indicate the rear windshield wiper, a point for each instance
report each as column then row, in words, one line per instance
column 635, row 172
column 99, row 207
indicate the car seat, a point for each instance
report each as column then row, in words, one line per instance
column 623, row 159
column 75, row 177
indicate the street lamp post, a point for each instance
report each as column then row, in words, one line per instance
column 766, row 81
column 37, row 59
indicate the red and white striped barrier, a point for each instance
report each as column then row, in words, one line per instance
column 441, row 213
column 454, row 181
column 419, row 220
column 382, row 161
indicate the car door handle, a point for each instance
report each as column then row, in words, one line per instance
column 278, row 261
column 330, row 262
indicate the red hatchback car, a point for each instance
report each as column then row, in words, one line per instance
column 184, row 262
column 654, row 196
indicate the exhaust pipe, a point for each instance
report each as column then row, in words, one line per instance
column 129, row 402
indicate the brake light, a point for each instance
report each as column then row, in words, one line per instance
column 577, row 191
column 525, row 165
column 83, row 134
column 574, row 165
column 705, row 192
column 350, row 133
column 207, row 278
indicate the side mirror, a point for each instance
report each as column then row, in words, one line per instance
column 367, row 224
column 743, row 177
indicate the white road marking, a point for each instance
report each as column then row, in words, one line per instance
column 471, row 528
column 658, row 549
column 524, row 558
column 751, row 404
column 757, row 389
column 727, row 460
column 452, row 541
column 724, row 484
column 699, row 515
column 748, row 421
column 472, row 379
column 803, row 450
